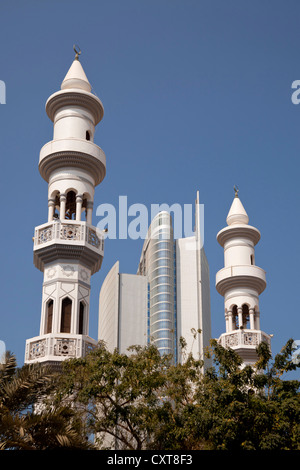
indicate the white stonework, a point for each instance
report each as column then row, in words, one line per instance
column 241, row 282
column 67, row 248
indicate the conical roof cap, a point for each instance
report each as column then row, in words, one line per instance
column 76, row 78
column 237, row 213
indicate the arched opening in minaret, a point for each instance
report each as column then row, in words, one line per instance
column 66, row 313
column 245, row 316
column 252, row 259
column 234, row 317
column 81, row 318
column 88, row 135
column 71, row 205
column 49, row 316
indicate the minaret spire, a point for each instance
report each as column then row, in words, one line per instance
column 76, row 77
column 241, row 282
column 68, row 249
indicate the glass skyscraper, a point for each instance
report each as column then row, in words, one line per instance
column 157, row 263
column 167, row 299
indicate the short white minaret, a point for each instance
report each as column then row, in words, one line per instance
column 67, row 248
column 241, row 282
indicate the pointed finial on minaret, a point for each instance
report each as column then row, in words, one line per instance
column 77, row 51
column 236, row 190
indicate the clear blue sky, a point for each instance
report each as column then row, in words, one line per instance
column 197, row 96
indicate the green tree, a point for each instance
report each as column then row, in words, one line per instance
column 118, row 393
column 26, row 420
column 250, row 408
column 140, row 400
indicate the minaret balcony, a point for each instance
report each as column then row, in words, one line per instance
column 68, row 239
column 75, row 153
column 241, row 276
column 244, row 342
column 57, row 347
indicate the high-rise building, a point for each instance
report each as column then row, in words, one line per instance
column 67, row 248
column 168, row 298
column 241, row 282
column 123, row 310
column 158, row 264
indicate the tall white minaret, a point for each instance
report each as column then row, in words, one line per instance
column 67, row 248
column 241, row 282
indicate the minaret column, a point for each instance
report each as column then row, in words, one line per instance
column 79, row 200
column 227, row 321
column 240, row 316
column 51, row 209
column 252, row 318
column 230, row 322
column 62, row 205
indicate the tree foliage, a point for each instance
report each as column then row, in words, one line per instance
column 27, row 422
column 141, row 400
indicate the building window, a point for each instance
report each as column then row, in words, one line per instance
column 49, row 316
column 81, row 318
column 66, row 312
column 252, row 259
column 88, row 135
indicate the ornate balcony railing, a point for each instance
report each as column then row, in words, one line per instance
column 248, row 338
column 68, row 239
column 68, row 231
column 59, row 347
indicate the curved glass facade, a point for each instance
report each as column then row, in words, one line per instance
column 158, row 265
column 170, row 302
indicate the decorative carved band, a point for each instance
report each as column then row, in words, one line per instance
column 70, row 240
column 73, row 98
column 71, row 158
column 60, row 347
column 70, row 232
column 243, row 338
column 66, row 231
